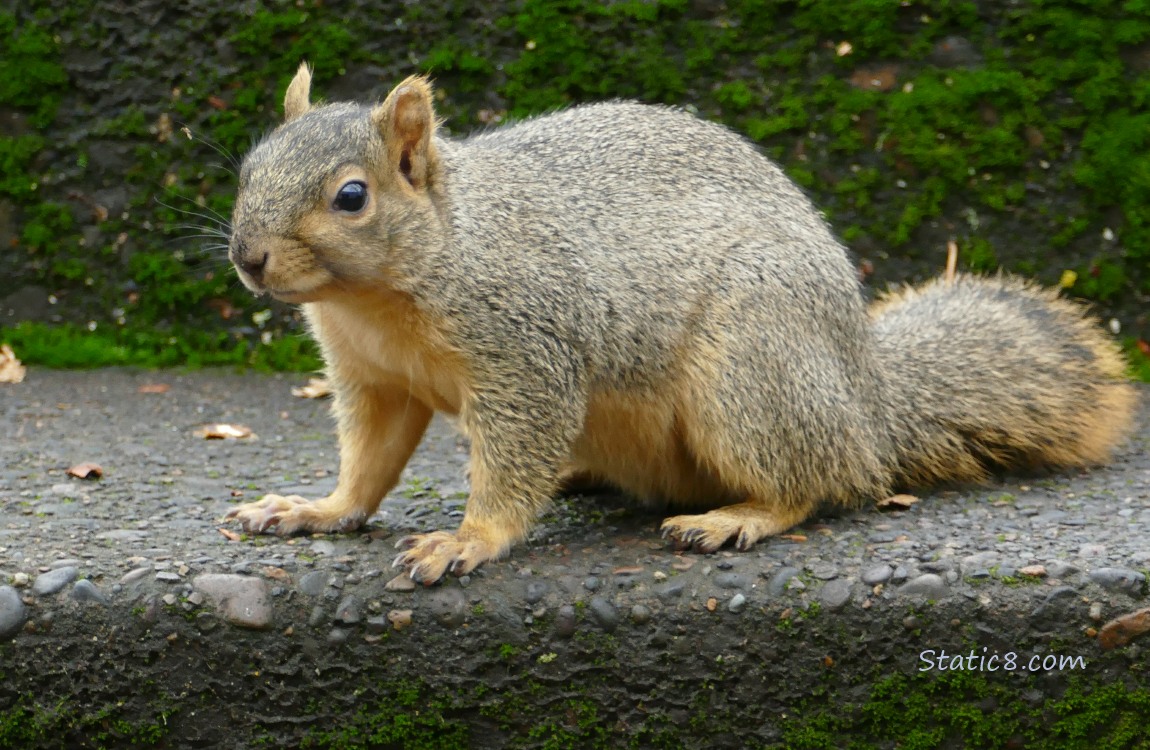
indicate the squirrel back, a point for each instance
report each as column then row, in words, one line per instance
column 630, row 294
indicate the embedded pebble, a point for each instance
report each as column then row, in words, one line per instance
column 835, row 594
column 399, row 618
column 241, row 600
column 640, row 614
column 13, row 613
column 875, row 575
column 86, row 591
column 899, row 575
column 135, row 575
column 21, row 580
column 730, row 581
column 536, row 590
column 337, row 636
column 591, row 583
column 447, row 606
column 322, row 547
column 54, row 580
column 928, row 585
column 565, row 621
column 823, row 571
column 401, row 582
column 169, row 577
column 671, row 589
column 780, row 580
column 604, row 613
column 315, row 582
column 1060, row 569
column 348, row 611
column 1115, row 579
column 737, row 604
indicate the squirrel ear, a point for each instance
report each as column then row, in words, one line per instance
column 296, row 99
column 406, row 122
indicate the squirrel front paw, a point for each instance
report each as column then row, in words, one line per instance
column 429, row 556
column 292, row 514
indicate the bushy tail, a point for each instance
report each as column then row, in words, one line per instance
column 996, row 372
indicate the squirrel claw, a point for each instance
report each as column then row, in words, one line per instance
column 428, row 557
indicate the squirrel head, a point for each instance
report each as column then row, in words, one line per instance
column 325, row 199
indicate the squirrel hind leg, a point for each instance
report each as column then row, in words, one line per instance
column 746, row 523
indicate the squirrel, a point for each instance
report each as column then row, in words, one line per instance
column 630, row 294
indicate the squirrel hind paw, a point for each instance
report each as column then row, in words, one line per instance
column 745, row 523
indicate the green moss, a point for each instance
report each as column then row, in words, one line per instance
column 968, row 709
column 1139, row 359
column 407, row 718
column 16, row 159
column 31, row 76
column 65, row 724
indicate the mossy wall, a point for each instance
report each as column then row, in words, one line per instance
column 1021, row 130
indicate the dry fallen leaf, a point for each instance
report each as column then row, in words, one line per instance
column 231, row 535
column 315, row 388
column 153, row 388
column 86, row 470
column 793, row 537
column 222, row 431
column 898, row 502
column 11, row 371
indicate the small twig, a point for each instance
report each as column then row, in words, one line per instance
column 951, row 260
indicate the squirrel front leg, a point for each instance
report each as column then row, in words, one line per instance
column 517, row 451
column 379, row 429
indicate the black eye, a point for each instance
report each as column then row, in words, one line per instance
column 352, row 197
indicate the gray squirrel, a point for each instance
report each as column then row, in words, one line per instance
column 628, row 294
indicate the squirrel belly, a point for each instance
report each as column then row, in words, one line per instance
column 626, row 293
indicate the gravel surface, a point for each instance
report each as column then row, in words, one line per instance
column 142, row 551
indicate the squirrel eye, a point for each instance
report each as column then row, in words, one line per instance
column 352, row 197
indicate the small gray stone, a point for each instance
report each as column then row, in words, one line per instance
column 671, row 589
column 241, row 600
column 780, row 579
column 54, row 580
column 376, row 625
column 640, row 614
column 12, row 612
column 317, row 617
column 727, row 580
column 877, row 574
column 565, row 621
column 168, row 576
column 823, row 571
column 447, row 606
column 536, row 590
column 591, row 583
column 927, row 585
column 348, row 611
column 737, row 604
column 1114, row 579
column 401, row 582
column 337, row 637
column 1060, row 569
column 86, row 591
column 835, row 594
column 314, row 583
column 899, row 575
column 322, row 547
column 136, row 574
column 604, row 613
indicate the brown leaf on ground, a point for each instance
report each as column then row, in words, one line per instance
column 1121, row 630
column 315, row 388
column 793, row 537
column 1143, row 347
column 222, row 431
column 11, row 371
column 897, row 502
column 86, row 470
column 153, row 388
column 231, row 535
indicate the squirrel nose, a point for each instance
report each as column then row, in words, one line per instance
column 250, row 263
